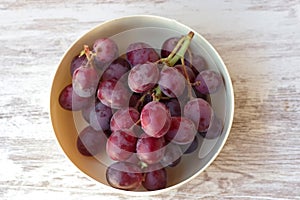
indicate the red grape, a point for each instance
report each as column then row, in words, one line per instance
column 77, row 62
column 140, row 53
column 143, row 77
column 215, row 128
column 198, row 63
column 149, row 149
column 124, row 119
column 171, row 82
column 124, row 175
column 113, row 93
column 121, row 144
column 209, row 81
column 174, row 106
column 190, row 148
column 200, row 112
column 155, row 119
column 85, row 112
column 172, row 155
column 90, row 141
column 85, row 81
column 99, row 117
column 69, row 100
column 168, row 46
column 106, row 51
column 155, row 180
column 116, row 69
column 190, row 73
column 182, row 131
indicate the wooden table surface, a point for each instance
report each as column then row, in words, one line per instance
column 260, row 44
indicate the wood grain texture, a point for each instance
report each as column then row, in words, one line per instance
column 260, row 44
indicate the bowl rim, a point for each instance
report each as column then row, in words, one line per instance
column 229, row 94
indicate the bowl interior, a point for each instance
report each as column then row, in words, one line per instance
column 152, row 30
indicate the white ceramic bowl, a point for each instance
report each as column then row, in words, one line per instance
column 153, row 30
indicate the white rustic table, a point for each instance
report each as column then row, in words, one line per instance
column 260, row 44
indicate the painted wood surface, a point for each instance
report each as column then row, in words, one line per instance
column 260, row 44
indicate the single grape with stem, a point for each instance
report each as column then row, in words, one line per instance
column 86, row 77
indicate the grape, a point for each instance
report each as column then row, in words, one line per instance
column 190, row 73
column 149, row 149
column 191, row 147
column 124, row 175
column 174, row 106
column 182, row 131
column 215, row 128
column 140, row 53
column 155, row 119
column 113, row 93
column 209, row 80
column 143, row 77
column 116, row 69
column 76, row 62
column 100, row 116
column 197, row 94
column 85, row 112
column 200, row 112
column 106, row 51
column 168, row 46
column 198, row 63
column 85, row 80
column 121, row 144
column 69, row 100
column 171, row 82
column 172, row 155
column 155, row 180
column 124, row 119
column 90, row 141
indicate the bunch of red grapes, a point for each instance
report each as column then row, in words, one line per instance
column 147, row 107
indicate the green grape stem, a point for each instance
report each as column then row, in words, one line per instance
column 183, row 48
column 143, row 165
column 157, row 94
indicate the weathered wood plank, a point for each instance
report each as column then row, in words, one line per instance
column 260, row 44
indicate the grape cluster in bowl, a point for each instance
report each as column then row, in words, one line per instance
column 147, row 107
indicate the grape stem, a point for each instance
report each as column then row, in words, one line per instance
column 141, row 99
column 157, row 94
column 143, row 165
column 87, row 52
column 89, row 55
column 187, row 78
column 178, row 45
column 180, row 54
column 176, row 54
column 197, row 83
